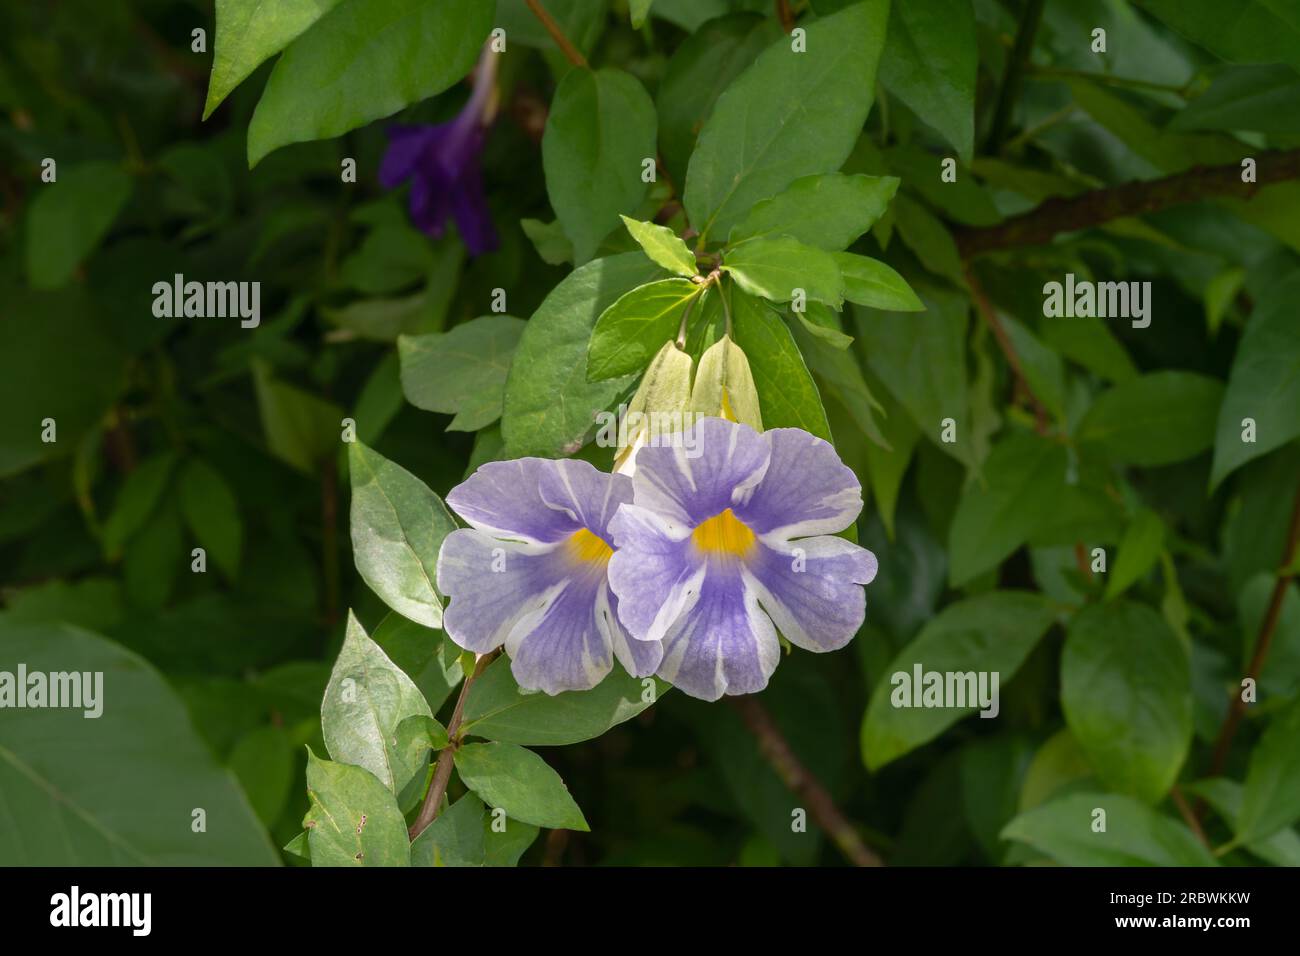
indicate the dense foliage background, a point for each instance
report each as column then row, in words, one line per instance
column 1071, row 434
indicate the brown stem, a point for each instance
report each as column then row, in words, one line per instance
column 1185, row 811
column 1059, row 215
column 442, row 769
column 990, row 316
column 785, row 15
column 1262, row 643
column 571, row 52
column 801, row 782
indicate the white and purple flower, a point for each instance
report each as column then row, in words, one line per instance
column 530, row 573
column 718, row 552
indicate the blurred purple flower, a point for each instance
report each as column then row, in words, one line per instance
column 442, row 163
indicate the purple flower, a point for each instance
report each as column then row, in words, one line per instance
column 442, row 163
column 530, row 573
column 719, row 551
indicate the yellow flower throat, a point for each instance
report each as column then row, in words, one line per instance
column 724, row 535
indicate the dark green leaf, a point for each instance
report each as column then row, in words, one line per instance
column 1135, row 835
column 600, row 128
column 1126, row 693
column 363, row 60
column 519, row 782
column 828, row 211
column 791, row 114
column 497, row 710
column 68, row 218
column 1155, row 419
column 778, row 269
column 787, row 394
column 989, row 634
column 632, row 331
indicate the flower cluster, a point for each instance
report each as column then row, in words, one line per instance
column 688, row 569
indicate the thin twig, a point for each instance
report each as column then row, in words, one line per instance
column 785, row 15
column 801, row 781
column 1185, row 811
column 1263, row 642
column 442, row 770
column 571, row 52
column 990, row 316
column 1060, row 215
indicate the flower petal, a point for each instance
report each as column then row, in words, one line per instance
column 712, row 466
column 588, row 496
column 407, row 147
column 639, row 658
column 504, row 497
column 806, row 489
column 813, row 590
column 558, row 646
column 724, row 644
column 469, row 207
column 491, row 584
column 651, row 572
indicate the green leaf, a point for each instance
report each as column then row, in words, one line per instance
column 497, row 710
column 1127, row 696
column 138, row 498
column 926, row 235
column 600, row 128
column 1135, row 835
column 549, row 404
column 777, row 268
column 1271, row 799
column 301, row 429
column 423, row 654
column 74, row 392
column 1267, row 31
column 1225, row 796
column 1155, row 419
column 1058, row 764
column 263, row 762
column 1265, row 99
column 367, row 698
column 461, row 372
column 663, row 246
column 548, row 238
column 1044, row 370
column 353, row 819
column 465, row 835
column 700, row 69
column 837, row 370
column 992, row 633
column 789, row 115
column 1022, row 496
column 921, row 359
column 393, row 257
column 97, row 792
column 871, row 283
column 68, row 218
column 930, row 64
column 786, row 391
column 821, row 323
column 519, row 782
column 251, row 31
column 1264, row 384
column 397, row 528
column 211, row 511
column 1139, row 550
column 887, row 462
column 828, row 211
column 632, row 331
column 1091, row 343
column 455, row 838
column 363, row 60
